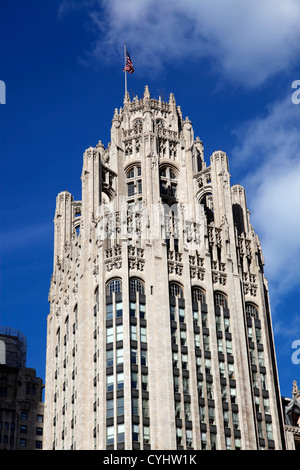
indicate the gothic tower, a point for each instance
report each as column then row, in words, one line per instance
column 159, row 332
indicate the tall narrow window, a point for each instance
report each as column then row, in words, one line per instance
column 168, row 185
column 134, row 186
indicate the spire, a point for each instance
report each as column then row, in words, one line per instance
column 172, row 102
column 126, row 98
column 146, row 93
column 296, row 393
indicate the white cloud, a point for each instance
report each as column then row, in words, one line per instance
column 248, row 42
column 270, row 146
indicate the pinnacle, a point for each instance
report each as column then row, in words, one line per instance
column 146, row 92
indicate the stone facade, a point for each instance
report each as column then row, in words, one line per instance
column 159, row 332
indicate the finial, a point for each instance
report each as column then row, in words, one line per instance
column 172, row 103
column 146, row 92
column 100, row 144
column 296, row 393
column 172, row 98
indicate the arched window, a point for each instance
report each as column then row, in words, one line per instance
column 220, row 300
column 114, row 285
column 136, row 285
column 198, row 295
column 168, row 184
column 134, row 185
column 176, row 290
column 77, row 229
column 251, row 311
column 207, row 201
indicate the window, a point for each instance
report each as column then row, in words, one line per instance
column 189, row 438
column 109, row 358
column 133, row 356
column 198, row 295
column 203, row 440
column 134, row 185
column 179, row 436
column 135, row 285
column 143, row 357
column 228, row 443
column 120, row 406
column 109, row 311
column 119, row 309
column 134, row 380
column 144, row 382
column 204, row 319
column 110, row 435
column 184, row 361
column 24, row 415
column 143, row 335
column 168, row 184
column 251, row 311
column 120, row 380
column 109, row 408
column 135, row 432
column 23, row 428
column 207, row 202
column 39, row 431
column 133, row 335
column 220, row 300
column 176, row 290
column 211, row 415
column 109, row 334
column 115, row 285
column 121, row 432
column 130, row 173
column 120, row 356
column 142, row 311
column 130, row 189
column 135, row 406
column 209, row 391
column 213, row 441
column 172, row 312
column 187, row 411
column 119, row 332
column 195, row 317
column 235, row 420
column 146, row 433
column 22, row 442
column 109, row 383
column 132, row 309
column 181, row 315
column 186, row 388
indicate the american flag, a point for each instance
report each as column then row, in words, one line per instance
column 128, row 67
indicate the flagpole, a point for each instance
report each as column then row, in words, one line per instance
column 125, row 69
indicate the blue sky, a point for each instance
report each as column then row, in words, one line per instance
column 231, row 66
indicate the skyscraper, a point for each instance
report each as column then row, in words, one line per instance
column 159, row 332
column 21, row 395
